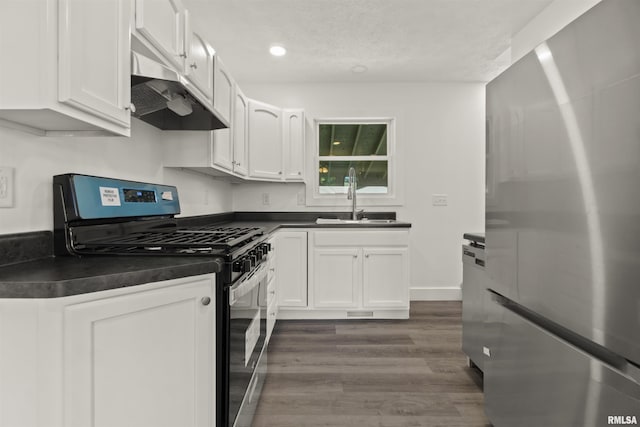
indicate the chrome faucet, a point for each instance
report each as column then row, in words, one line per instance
column 351, row 193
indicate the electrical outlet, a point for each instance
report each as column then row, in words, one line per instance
column 6, row 187
column 301, row 198
column 266, row 199
column 439, row 199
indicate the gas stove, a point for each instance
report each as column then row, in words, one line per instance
column 107, row 216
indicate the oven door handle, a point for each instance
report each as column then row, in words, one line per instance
column 239, row 290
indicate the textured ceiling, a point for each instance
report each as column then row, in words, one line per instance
column 397, row 40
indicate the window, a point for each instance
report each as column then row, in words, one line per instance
column 367, row 145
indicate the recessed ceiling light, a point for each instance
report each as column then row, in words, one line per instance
column 359, row 69
column 277, row 50
column 337, row 142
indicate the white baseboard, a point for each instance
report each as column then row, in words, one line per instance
column 453, row 293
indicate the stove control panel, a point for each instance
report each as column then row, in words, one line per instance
column 94, row 197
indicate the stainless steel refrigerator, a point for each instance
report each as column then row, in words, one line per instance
column 563, row 228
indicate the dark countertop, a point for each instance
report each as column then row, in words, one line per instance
column 271, row 221
column 28, row 269
column 54, row 277
column 271, row 226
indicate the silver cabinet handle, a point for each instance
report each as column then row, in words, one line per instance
column 205, row 300
column 366, row 256
column 131, row 108
column 299, row 173
column 194, row 66
column 279, row 172
column 355, row 256
column 183, row 55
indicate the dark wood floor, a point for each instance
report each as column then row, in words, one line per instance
column 383, row 373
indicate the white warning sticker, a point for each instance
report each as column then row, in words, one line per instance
column 109, row 196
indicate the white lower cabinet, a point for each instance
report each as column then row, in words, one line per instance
column 337, row 272
column 291, row 269
column 359, row 273
column 342, row 273
column 385, row 277
column 140, row 356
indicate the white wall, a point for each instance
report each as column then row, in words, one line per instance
column 37, row 159
column 440, row 144
column 548, row 22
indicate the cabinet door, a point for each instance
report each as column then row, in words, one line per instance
column 142, row 359
column 336, row 277
column 291, row 268
column 240, row 133
column 200, row 65
column 162, row 23
column 223, row 101
column 265, row 141
column 385, row 277
column 94, row 58
column 293, row 144
column 222, row 148
column 223, row 85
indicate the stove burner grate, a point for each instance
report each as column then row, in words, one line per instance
column 187, row 240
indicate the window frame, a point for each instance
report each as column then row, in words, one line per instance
column 315, row 198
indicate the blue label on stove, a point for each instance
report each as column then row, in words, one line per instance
column 98, row 197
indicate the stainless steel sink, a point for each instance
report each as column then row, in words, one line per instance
column 363, row 221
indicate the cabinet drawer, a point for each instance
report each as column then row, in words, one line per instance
column 361, row 238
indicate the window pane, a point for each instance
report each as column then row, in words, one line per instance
column 371, row 177
column 353, row 139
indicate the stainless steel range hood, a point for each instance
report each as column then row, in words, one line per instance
column 162, row 99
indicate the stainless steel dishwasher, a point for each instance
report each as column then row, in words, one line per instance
column 474, row 285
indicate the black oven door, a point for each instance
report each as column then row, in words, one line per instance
column 247, row 333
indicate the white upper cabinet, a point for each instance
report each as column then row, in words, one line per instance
column 240, row 132
column 293, row 144
column 93, row 60
column 223, row 99
column 222, row 148
column 162, row 24
column 223, row 85
column 265, row 141
column 199, row 66
column 65, row 66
